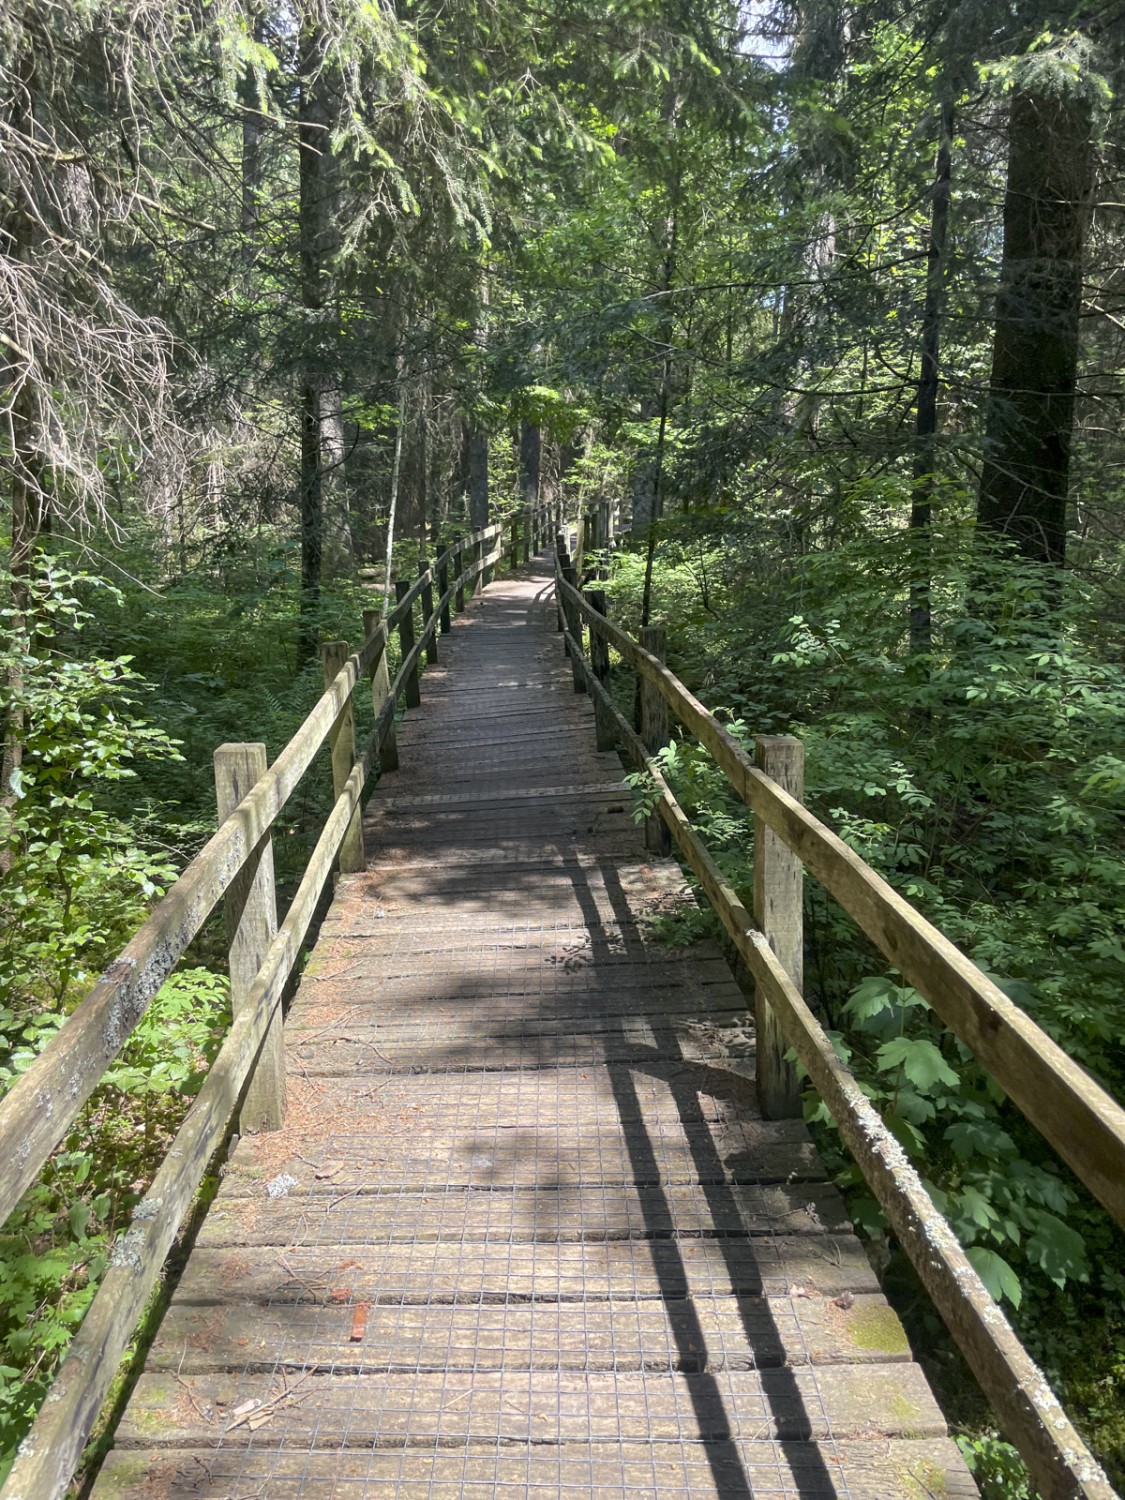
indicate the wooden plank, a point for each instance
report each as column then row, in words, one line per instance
column 635, row 1152
column 655, row 1094
column 713, row 1033
column 873, row 1469
column 574, row 1212
column 438, row 1273
column 779, row 911
column 778, row 1331
column 342, row 748
column 348, row 1411
column 251, row 923
column 393, row 801
column 370, row 1050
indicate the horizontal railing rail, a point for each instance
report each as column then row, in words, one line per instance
column 38, row 1111
column 1081, row 1121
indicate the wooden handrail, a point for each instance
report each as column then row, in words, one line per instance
column 38, row 1110
column 1082, row 1122
column 1058, row 1460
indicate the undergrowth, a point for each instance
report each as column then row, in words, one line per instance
column 984, row 782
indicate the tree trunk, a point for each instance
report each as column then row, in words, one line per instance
column 478, row 477
column 339, row 551
column 1023, row 491
column 531, row 447
column 322, row 456
column 925, row 421
column 312, row 516
column 252, row 131
column 27, row 495
column 647, row 479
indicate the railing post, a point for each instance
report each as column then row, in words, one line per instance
column 580, row 549
column 477, row 585
column 427, row 611
column 526, row 529
column 412, row 692
column 250, row 906
column 654, row 731
column 779, row 915
column 562, row 558
column 380, row 692
column 514, row 545
column 443, row 588
column 341, row 739
column 458, row 569
column 574, row 625
column 599, row 664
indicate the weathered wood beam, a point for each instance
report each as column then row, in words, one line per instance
column 1082, row 1122
column 40, row 1107
column 1059, row 1461
column 251, row 920
column 779, row 879
column 341, row 739
column 49, row 1454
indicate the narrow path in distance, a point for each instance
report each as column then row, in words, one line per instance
column 524, row 1232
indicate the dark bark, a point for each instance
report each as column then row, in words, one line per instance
column 648, row 475
column 27, row 495
column 312, row 517
column 478, row 477
column 321, row 426
column 1023, row 492
column 926, row 416
column 530, row 457
column 253, row 123
column 647, row 478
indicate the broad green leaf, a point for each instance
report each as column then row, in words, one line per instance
column 920, row 1060
column 996, row 1274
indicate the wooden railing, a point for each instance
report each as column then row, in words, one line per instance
column 236, row 865
column 1083, row 1123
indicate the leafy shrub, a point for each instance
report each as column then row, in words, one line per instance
column 81, row 879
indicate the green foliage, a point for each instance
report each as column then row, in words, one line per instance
column 984, row 783
column 54, row 1249
column 81, row 877
column 997, row 1468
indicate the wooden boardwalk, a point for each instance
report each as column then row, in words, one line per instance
column 523, row 1233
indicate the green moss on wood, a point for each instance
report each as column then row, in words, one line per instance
column 877, row 1327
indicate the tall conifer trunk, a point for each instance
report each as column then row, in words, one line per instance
column 926, row 415
column 322, row 443
column 253, row 122
column 26, row 494
column 1023, row 491
column 531, row 450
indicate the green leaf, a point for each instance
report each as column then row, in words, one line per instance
column 970, row 1137
column 996, row 1274
column 871, row 998
column 920, row 1060
column 1058, row 1250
